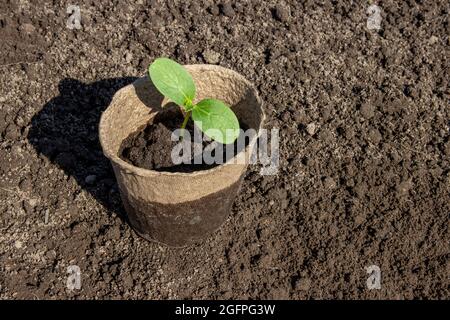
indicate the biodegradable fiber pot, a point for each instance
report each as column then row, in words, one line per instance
column 177, row 208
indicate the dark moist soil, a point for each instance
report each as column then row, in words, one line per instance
column 151, row 147
column 364, row 176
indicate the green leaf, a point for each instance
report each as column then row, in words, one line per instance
column 173, row 81
column 216, row 120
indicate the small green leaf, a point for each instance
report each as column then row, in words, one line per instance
column 172, row 80
column 216, row 120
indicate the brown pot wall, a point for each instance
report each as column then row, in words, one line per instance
column 178, row 208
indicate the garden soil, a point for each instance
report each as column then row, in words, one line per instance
column 364, row 173
column 151, row 147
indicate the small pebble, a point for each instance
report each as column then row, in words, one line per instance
column 12, row 132
column 286, row 116
column 46, row 216
column 311, row 128
column 25, row 185
column 282, row 13
column 433, row 40
column 299, row 116
column 359, row 219
column 302, row 284
column 18, row 244
column 214, row 10
column 404, row 187
column 227, row 9
column 33, row 202
column 367, row 110
column 360, row 189
column 375, row 136
column 27, row 28
column 447, row 148
column 128, row 57
column 326, row 135
column 211, row 56
column 329, row 183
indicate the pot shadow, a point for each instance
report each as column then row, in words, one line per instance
column 66, row 132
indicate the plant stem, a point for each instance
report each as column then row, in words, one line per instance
column 183, row 126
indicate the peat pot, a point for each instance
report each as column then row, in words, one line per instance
column 178, row 208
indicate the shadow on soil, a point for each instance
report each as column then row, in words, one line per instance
column 66, row 132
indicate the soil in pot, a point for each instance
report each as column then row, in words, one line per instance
column 151, row 146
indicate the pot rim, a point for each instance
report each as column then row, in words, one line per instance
column 129, row 168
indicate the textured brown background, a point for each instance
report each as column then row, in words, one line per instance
column 364, row 176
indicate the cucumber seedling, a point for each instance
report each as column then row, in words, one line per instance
column 213, row 117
